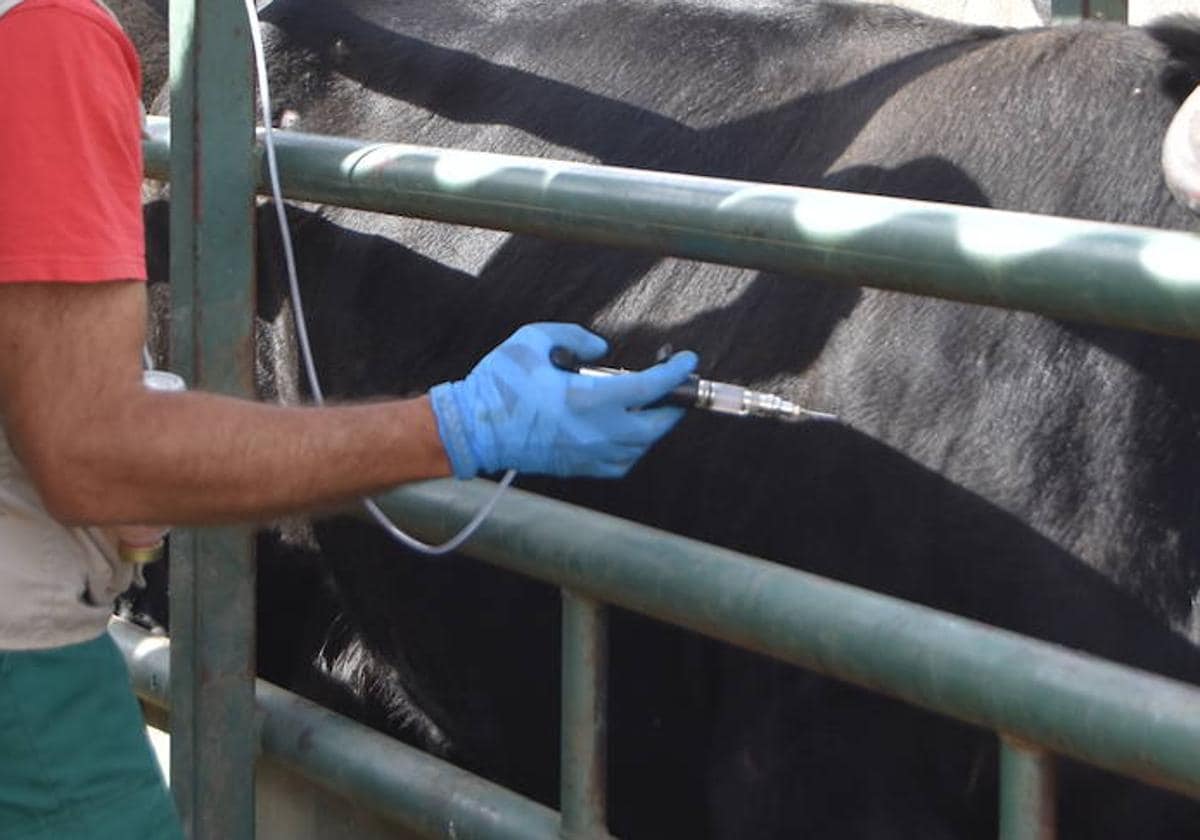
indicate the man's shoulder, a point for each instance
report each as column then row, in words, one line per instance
column 85, row 26
column 83, row 10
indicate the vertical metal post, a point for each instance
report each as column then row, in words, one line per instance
column 214, row 742
column 1027, row 792
column 584, row 711
column 1065, row 11
column 1116, row 11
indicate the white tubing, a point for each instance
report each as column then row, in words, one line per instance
column 264, row 98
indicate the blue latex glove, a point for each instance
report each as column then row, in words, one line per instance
column 516, row 410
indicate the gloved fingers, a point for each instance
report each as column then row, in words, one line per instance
column 601, row 458
column 543, row 336
column 612, row 469
column 628, row 441
column 621, row 453
column 642, row 428
column 515, row 409
column 615, row 461
column 599, row 449
column 633, row 390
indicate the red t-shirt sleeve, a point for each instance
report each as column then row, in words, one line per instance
column 70, row 146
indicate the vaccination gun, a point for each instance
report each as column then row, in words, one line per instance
column 706, row 394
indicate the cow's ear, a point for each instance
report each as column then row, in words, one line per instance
column 1181, row 153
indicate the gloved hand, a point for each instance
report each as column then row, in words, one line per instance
column 516, row 410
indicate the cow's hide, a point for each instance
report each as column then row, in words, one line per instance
column 1029, row 473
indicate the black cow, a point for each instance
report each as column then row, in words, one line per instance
column 145, row 21
column 1033, row 474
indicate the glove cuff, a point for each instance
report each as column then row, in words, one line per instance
column 452, row 429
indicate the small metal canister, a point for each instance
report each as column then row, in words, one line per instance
column 147, row 551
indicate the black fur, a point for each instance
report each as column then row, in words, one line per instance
column 1033, row 474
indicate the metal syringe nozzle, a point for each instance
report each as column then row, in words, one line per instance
column 725, row 398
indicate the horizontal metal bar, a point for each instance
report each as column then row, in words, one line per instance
column 1114, row 274
column 415, row 790
column 1126, row 720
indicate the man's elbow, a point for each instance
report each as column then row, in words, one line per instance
column 72, row 508
column 67, row 487
column 67, row 500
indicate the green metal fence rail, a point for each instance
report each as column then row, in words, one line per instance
column 1134, row 277
column 1116, row 717
column 1040, row 697
column 415, row 790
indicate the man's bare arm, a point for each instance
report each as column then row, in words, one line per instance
column 103, row 450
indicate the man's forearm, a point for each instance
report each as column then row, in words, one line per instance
column 197, row 458
column 102, row 449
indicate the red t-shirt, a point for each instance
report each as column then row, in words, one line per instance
column 70, row 146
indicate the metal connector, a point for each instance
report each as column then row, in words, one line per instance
column 725, row 398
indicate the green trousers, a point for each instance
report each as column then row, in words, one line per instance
column 75, row 761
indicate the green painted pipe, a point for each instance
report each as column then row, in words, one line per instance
column 584, row 718
column 1125, row 720
column 212, row 299
column 416, row 791
column 1027, row 792
column 1072, row 11
column 1114, row 274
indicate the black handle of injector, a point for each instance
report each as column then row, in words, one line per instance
column 685, row 395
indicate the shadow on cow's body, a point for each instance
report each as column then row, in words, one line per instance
column 1023, row 472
